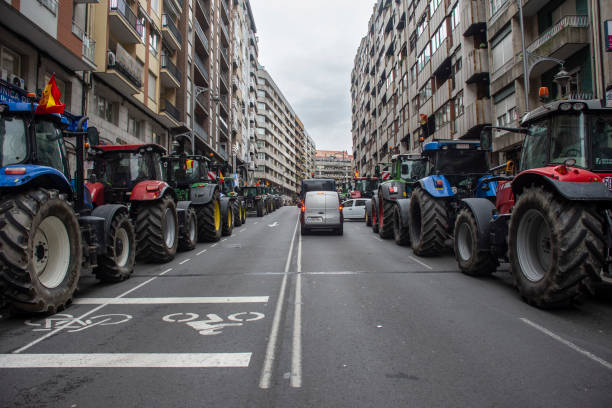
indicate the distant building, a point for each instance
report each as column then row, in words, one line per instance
column 333, row 164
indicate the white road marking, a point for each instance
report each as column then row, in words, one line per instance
column 568, row 343
column 296, row 357
column 378, row 239
column 186, row 260
column 244, row 229
column 213, row 245
column 224, row 239
column 419, row 262
column 266, row 371
column 95, row 309
column 125, row 360
column 172, row 300
column 274, row 224
column 256, row 222
column 201, row 252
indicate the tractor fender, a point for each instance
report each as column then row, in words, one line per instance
column 368, row 206
column 486, row 188
column 404, row 209
column 383, row 190
column 429, row 184
column 97, row 193
column 203, row 194
column 482, row 209
column 108, row 213
column 181, row 212
column 34, row 175
column 150, row 190
column 225, row 203
column 574, row 191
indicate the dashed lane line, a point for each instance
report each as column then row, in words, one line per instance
column 201, row 252
column 185, row 261
column 378, row 239
column 419, row 262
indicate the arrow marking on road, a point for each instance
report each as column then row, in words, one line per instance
column 274, row 224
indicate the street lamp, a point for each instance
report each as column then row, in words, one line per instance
column 196, row 91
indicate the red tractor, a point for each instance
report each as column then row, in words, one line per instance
column 132, row 175
column 552, row 221
column 364, row 187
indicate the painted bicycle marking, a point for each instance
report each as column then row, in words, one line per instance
column 72, row 324
column 213, row 324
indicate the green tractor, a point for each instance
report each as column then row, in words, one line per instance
column 188, row 175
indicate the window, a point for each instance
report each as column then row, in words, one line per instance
column 153, row 42
column 261, row 118
column 140, row 25
column 413, row 73
column 261, row 156
column 152, row 86
column 454, row 17
column 438, row 38
column 421, row 25
column 10, row 61
column 433, row 6
column 501, row 48
column 261, row 131
column 458, row 104
column 496, row 5
column 155, row 6
column 423, row 58
column 103, row 108
column 505, row 106
column 261, row 106
column 442, row 116
column 425, row 93
column 133, row 126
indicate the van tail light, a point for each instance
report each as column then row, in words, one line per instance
column 303, row 208
column 340, row 208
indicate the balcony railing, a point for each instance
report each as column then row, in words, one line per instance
column 205, row 11
column 199, row 130
column 567, row 21
column 127, row 65
column 169, row 24
column 166, row 63
column 224, row 54
column 121, row 7
column 89, row 48
column 224, row 29
column 222, row 126
column 201, row 67
column 201, row 35
column 170, row 109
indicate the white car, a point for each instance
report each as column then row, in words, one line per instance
column 354, row 209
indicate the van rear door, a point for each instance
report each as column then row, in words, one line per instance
column 315, row 207
column 332, row 208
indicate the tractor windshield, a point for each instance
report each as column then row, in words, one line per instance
column 184, row 171
column 413, row 169
column 126, row 169
column 249, row 191
column 50, row 149
column 600, row 127
column 13, row 142
column 228, row 185
column 460, row 162
column 366, row 185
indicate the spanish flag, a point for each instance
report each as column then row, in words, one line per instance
column 50, row 101
column 189, row 164
column 220, row 176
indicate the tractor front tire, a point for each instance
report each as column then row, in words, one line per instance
column 368, row 218
column 471, row 261
column 374, row 213
column 209, row 220
column 118, row 263
column 401, row 234
column 228, row 221
column 40, row 251
column 260, row 208
column 157, row 230
column 237, row 213
column 190, row 231
column 556, row 248
column 243, row 213
column 385, row 219
column 428, row 224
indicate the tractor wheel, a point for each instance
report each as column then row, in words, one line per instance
column 428, row 224
column 471, row 261
column 157, row 230
column 368, row 218
column 260, row 208
column 385, row 220
column 374, row 215
column 556, row 248
column 118, row 263
column 228, row 222
column 40, row 250
column 243, row 215
column 190, row 238
column 237, row 213
column 209, row 220
column 401, row 234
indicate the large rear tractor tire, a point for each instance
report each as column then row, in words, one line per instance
column 228, row 220
column 428, row 224
column 40, row 251
column 209, row 220
column 237, row 213
column 471, row 261
column 374, row 214
column 189, row 238
column 157, row 231
column 260, row 208
column 385, row 219
column 401, row 233
column 556, row 248
column 243, row 213
column 368, row 217
column 118, row 263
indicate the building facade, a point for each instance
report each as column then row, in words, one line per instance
column 334, row 164
column 445, row 69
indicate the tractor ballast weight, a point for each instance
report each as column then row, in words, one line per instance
column 552, row 221
column 48, row 233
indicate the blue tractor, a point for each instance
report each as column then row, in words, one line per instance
column 455, row 170
column 49, row 232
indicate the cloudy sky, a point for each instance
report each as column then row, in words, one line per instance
column 308, row 47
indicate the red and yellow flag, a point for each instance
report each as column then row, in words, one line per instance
column 220, row 176
column 50, row 101
column 189, row 164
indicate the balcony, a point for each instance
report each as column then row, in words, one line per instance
column 222, row 125
column 89, row 49
column 205, row 11
column 477, row 66
column 563, row 39
column 123, row 72
column 170, row 74
column 224, row 30
column 475, row 116
column 169, row 115
column 223, row 78
column 200, row 34
column 473, row 18
column 124, row 23
column 200, row 132
column 225, row 8
column 224, row 58
column 171, row 33
column 201, row 67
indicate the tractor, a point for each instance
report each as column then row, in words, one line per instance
column 405, row 171
column 188, row 176
column 254, row 200
column 455, row 170
column 229, row 198
column 132, row 175
column 49, row 232
column 277, row 198
column 553, row 220
column 364, row 187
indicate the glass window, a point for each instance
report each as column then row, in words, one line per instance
column 568, row 139
column 535, row 147
column 10, row 61
column 153, row 42
column 12, row 140
column 601, row 140
column 50, row 146
column 152, row 86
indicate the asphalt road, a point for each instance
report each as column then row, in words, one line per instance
column 268, row 318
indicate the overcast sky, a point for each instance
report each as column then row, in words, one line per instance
column 309, row 47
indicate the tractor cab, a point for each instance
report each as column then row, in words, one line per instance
column 364, row 187
column 183, row 170
column 409, row 168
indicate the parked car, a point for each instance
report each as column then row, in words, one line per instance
column 321, row 210
column 354, row 209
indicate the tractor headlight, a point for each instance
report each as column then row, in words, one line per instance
column 565, row 106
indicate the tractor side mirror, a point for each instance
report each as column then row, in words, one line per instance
column 510, row 167
column 93, row 136
column 486, row 135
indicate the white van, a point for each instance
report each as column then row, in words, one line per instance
column 321, row 210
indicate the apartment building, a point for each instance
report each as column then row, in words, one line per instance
column 311, row 151
column 334, row 164
column 276, row 136
column 444, row 69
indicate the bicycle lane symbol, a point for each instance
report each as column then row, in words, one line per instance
column 73, row 325
column 214, row 324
